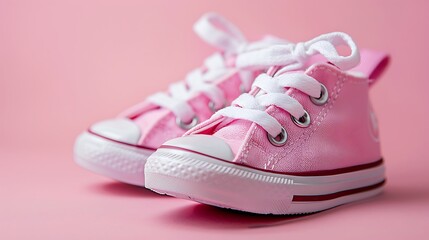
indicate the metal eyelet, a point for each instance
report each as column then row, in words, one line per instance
column 323, row 96
column 278, row 140
column 211, row 106
column 187, row 126
column 303, row 121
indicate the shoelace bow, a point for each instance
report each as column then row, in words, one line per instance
column 271, row 90
column 226, row 37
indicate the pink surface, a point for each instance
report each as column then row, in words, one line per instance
column 65, row 65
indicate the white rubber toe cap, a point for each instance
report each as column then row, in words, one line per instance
column 123, row 130
column 204, row 144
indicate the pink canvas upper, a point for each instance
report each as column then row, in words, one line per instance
column 343, row 131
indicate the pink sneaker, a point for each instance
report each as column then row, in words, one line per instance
column 118, row 148
column 303, row 140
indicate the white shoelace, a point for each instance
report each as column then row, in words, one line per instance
column 222, row 34
column 271, row 90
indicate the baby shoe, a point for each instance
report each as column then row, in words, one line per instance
column 304, row 139
column 118, row 148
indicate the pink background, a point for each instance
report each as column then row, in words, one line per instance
column 66, row 64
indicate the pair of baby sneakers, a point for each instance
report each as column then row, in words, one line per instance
column 268, row 127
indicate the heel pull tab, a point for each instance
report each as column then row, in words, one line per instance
column 372, row 65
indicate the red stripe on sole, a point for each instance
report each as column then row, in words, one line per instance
column 314, row 198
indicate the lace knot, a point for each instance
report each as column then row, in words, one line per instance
column 299, row 52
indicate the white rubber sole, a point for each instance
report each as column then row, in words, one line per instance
column 111, row 159
column 203, row 179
